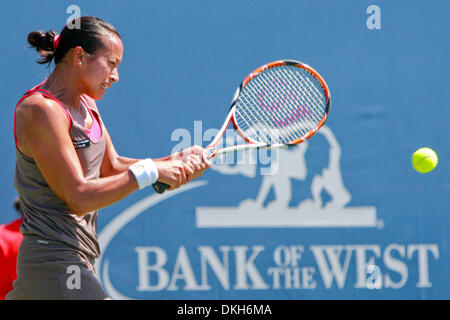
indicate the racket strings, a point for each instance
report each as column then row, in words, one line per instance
column 307, row 97
column 265, row 122
column 258, row 127
column 262, row 129
column 265, row 125
column 315, row 96
column 287, row 132
column 243, row 115
column 311, row 114
column 257, row 112
column 293, row 113
column 283, row 100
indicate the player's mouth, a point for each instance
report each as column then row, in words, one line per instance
column 104, row 86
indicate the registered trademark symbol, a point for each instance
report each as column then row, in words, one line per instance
column 380, row 224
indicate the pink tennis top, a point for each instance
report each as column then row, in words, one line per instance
column 45, row 214
column 94, row 132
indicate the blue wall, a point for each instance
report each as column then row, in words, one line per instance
column 379, row 220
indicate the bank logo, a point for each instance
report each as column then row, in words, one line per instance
column 156, row 272
column 312, row 212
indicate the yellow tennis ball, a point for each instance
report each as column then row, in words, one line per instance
column 424, row 160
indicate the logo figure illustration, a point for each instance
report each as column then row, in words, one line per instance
column 291, row 164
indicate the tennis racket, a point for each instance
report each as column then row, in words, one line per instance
column 279, row 105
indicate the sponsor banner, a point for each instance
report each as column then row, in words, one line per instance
column 278, row 243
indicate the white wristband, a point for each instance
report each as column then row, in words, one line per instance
column 145, row 172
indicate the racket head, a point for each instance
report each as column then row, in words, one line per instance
column 286, row 96
column 284, row 102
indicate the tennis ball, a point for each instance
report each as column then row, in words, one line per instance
column 424, row 160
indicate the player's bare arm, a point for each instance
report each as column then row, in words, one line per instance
column 42, row 135
column 168, row 167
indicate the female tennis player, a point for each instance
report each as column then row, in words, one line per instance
column 67, row 167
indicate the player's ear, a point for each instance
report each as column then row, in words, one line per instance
column 78, row 55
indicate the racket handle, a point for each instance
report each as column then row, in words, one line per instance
column 160, row 187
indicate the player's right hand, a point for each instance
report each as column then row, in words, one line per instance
column 174, row 172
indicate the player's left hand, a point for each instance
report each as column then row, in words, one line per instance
column 197, row 157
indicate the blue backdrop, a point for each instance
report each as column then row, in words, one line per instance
column 360, row 222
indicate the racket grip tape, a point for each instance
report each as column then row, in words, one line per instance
column 160, row 187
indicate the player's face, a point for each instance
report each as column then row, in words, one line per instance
column 101, row 69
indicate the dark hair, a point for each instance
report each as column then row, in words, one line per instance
column 88, row 36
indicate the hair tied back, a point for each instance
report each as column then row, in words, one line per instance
column 56, row 41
